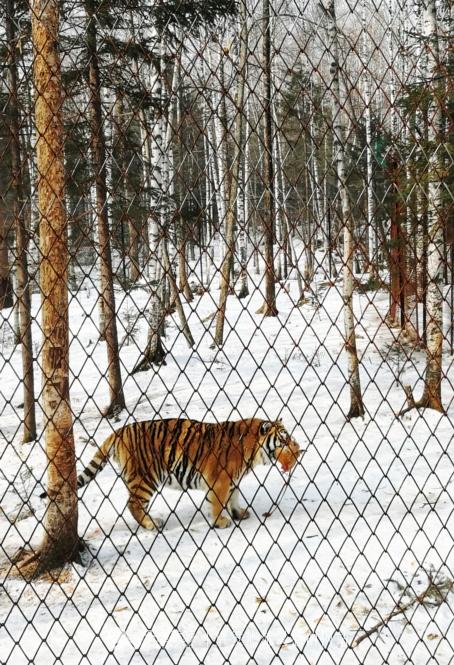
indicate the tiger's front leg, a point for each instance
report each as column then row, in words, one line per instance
column 218, row 496
column 238, row 512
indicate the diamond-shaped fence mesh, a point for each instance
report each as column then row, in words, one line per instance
column 226, row 291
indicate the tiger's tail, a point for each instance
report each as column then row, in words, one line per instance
column 97, row 462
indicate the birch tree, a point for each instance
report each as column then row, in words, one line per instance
column 234, row 191
column 22, row 275
column 431, row 397
column 154, row 353
column 356, row 403
column 160, row 269
column 366, row 83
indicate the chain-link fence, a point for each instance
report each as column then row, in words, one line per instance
column 216, row 212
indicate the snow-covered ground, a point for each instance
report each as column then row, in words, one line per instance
column 369, row 509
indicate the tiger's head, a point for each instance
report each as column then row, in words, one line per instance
column 277, row 445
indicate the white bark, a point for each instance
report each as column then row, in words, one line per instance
column 218, row 143
column 371, row 231
column 356, row 404
column 435, row 250
column 421, row 75
column 154, row 351
column 319, row 211
column 242, row 234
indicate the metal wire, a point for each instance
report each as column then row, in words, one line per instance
column 256, row 203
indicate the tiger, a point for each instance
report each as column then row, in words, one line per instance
column 187, row 454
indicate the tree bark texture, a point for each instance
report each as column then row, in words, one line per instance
column 98, row 147
column 227, row 264
column 22, row 275
column 61, row 542
column 435, row 252
column 356, row 403
column 154, row 353
column 269, row 306
column 6, row 287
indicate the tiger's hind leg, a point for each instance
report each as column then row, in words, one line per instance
column 137, row 509
column 238, row 512
column 139, row 498
column 218, row 496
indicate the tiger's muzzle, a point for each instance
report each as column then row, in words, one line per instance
column 287, row 455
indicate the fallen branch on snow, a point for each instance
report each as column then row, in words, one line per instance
column 434, row 594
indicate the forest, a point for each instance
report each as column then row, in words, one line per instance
column 254, row 187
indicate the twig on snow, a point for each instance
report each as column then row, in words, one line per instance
column 433, row 588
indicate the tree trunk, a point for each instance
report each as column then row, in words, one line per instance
column 356, row 403
column 396, row 259
column 117, row 400
column 218, row 156
column 432, row 389
column 146, row 162
column 242, row 235
column 154, row 353
column 315, row 170
column 269, row 306
column 227, row 263
column 244, row 202
column 120, row 131
column 175, row 300
column 6, row 288
column 371, row 232
column 183, row 284
column 61, row 542
column 22, row 275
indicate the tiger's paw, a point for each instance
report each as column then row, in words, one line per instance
column 222, row 522
column 240, row 513
column 158, row 524
column 153, row 524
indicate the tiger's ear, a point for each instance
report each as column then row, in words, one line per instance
column 265, row 427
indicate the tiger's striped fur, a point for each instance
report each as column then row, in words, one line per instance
column 192, row 455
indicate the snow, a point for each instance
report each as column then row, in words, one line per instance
column 368, row 509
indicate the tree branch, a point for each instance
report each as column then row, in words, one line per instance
column 433, row 589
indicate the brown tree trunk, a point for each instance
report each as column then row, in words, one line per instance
column 22, row 276
column 98, row 146
column 61, row 542
column 6, row 289
column 182, row 264
column 269, row 306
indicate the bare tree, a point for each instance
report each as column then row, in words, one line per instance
column 431, row 397
column 98, row 147
column 356, row 402
column 22, row 276
column 60, row 543
column 6, row 289
column 227, row 263
column 366, row 85
column 269, row 306
column 154, row 353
